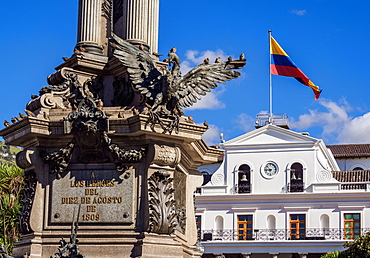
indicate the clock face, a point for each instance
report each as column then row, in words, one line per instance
column 269, row 170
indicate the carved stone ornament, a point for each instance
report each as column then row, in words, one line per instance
column 23, row 159
column 181, row 219
column 156, row 118
column 89, row 125
column 55, row 95
column 59, row 160
column 28, row 194
column 166, row 156
column 164, row 216
column 162, row 208
column 122, row 156
column 65, row 91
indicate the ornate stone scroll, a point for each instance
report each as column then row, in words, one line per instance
column 166, row 156
column 28, row 197
column 23, row 159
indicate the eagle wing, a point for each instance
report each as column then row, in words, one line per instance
column 201, row 79
column 143, row 74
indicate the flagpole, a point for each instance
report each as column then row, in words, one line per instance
column 270, row 115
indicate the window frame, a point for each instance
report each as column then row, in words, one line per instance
column 198, row 224
column 299, row 228
column 352, row 228
column 247, row 233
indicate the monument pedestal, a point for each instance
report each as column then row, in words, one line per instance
column 145, row 209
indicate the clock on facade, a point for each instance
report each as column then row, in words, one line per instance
column 269, row 170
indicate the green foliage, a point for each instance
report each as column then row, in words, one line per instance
column 359, row 248
column 11, row 184
column 334, row 254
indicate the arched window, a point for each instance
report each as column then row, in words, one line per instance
column 296, row 178
column 219, row 223
column 358, row 168
column 324, row 222
column 271, row 227
column 271, row 222
column 219, row 227
column 244, row 179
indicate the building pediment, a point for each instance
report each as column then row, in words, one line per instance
column 271, row 135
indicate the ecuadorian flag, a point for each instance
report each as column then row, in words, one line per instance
column 281, row 64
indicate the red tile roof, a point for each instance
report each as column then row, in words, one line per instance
column 352, row 175
column 350, row 150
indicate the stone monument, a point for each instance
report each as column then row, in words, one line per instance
column 108, row 136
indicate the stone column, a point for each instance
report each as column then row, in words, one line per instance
column 89, row 26
column 140, row 23
column 153, row 24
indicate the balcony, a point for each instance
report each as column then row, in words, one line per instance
column 329, row 234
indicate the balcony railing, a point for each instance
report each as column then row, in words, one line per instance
column 296, row 186
column 353, row 186
column 243, row 188
column 278, row 234
column 276, row 119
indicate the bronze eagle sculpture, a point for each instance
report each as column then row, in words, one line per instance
column 168, row 93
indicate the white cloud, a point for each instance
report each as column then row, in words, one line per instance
column 335, row 116
column 185, row 67
column 210, row 101
column 299, row 12
column 212, row 135
column 336, row 123
column 356, row 131
column 193, row 58
column 245, row 122
column 197, row 58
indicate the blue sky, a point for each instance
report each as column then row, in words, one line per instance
column 327, row 39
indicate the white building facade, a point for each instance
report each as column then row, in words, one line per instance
column 276, row 194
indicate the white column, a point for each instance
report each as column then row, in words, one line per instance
column 89, row 25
